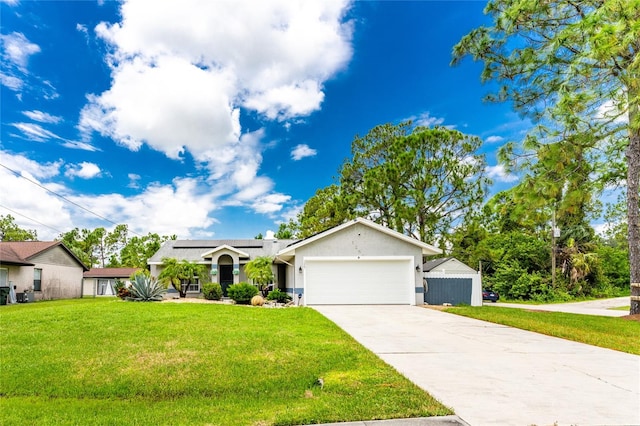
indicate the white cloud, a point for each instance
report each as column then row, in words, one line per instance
column 182, row 70
column 17, row 49
column 271, row 203
column 301, row 151
column 499, row 173
column 83, row 170
column 11, row 82
column 35, row 132
column 182, row 207
column 425, row 119
column 612, row 111
column 494, row 139
column 82, row 29
column 42, row 117
column 80, row 145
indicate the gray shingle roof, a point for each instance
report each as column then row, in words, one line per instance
column 192, row 250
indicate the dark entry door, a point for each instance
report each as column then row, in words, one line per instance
column 226, row 277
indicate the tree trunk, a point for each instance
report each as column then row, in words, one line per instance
column 633, row 217
column 633, row 195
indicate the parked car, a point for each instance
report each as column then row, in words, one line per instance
column 490, row 295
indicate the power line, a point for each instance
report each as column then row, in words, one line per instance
column 64, row 198
column 31, row 219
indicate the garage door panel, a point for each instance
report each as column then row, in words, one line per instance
column 372, row 281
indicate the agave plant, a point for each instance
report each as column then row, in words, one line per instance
column 146, row 289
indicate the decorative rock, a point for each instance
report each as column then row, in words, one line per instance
column 257, row 301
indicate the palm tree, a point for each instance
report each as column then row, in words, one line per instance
column 259, row 271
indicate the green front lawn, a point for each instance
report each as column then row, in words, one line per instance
column 104, row 361
column 608, row 332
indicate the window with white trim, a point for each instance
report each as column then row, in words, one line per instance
column 37, row 279
column 192, row 287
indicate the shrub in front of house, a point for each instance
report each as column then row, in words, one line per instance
column 212, row 291
column 279, row 296
column 242, row 293
column 146, row 289
column 257, row 300
column 122, row 291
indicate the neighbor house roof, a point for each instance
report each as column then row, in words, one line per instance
column 427, row 249
column 8, row 256
column 430, row 264
column 21, row 252
column 446, row 264
column 110, row 272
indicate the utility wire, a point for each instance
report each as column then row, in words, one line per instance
column 31, row 219
column 64, row 198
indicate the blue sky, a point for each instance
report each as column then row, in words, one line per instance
column 214, row 119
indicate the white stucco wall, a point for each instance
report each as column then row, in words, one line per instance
column 357, row 240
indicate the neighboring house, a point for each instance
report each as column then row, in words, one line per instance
column 358, row 262
column 47, row 268
column 447, row 280
column 102, row 281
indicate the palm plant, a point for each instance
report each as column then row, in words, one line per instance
column 259, row 271
column 146, row 289
column 180, row 274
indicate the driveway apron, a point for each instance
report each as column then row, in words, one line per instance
column 491, row 374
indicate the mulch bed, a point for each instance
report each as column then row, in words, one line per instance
column 635, row 317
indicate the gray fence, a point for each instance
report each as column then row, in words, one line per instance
column 455, row 291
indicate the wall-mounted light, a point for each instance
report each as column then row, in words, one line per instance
column 300, row 269
column 418, row 268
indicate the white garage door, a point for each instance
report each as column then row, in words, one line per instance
column 363, row 281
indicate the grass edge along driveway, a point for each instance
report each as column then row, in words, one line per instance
column 615, row 333
column 105, row 361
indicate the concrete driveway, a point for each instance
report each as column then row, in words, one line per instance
column 492, row 374
column 600, row 307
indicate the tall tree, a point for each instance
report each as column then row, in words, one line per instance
column 12, row 232
column 286, row 231
column 327, row 208
column 138, row 250
column 573, row 67
column 418, row 181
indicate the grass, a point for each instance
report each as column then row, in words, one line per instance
column 105, row 362
column 614, row 333
column 620, row 308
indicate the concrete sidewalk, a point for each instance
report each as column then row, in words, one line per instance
column 421, row 421
column 592, row 307
column 491, row 374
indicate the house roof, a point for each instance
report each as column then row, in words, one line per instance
column 9, row 257
column 198, row 250
column 455, row 265
column 430, row 264
column 208, row 254
column 427, row 249
column 110, row 272
column 21, row 252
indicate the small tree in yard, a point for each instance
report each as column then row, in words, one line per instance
column 259, row 272
column 181, row 273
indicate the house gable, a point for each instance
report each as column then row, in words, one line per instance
column 224, row 249
column 364, row 227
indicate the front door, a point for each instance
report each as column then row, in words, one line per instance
column 226, row 277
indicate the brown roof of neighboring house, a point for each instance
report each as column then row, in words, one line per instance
column 26, row 249
column 110, row 272
column 20, row 252
column 8, row 256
